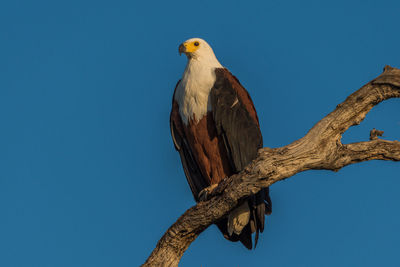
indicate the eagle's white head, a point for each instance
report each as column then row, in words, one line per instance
column 196, row 49
column 197, row 80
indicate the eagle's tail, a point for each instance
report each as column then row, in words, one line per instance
column 247, row 219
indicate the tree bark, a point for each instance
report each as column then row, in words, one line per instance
column 320, row 148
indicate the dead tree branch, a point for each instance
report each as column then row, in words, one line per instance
column 320, row 148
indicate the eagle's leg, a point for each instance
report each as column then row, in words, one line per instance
column 206, row 193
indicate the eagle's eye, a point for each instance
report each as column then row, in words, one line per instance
column 196, row 43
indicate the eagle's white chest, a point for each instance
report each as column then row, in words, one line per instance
column 192, row 93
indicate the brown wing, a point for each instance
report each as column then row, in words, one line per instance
column 237, row 122
column 192, row 171
column 236, row 119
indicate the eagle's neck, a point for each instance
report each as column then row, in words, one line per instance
column 193, row 90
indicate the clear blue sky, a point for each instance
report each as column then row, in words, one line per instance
column 88, row 172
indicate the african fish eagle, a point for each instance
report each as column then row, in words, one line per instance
column 215, row 129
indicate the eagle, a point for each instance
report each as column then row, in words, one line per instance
column 215, row 129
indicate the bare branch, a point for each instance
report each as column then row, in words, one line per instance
column 364, row 151
column 320, row 148
column 374, row 133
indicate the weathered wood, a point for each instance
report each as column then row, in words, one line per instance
column 320, row 148
column 374, row 134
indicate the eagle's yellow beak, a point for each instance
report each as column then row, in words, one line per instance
column 188, row 47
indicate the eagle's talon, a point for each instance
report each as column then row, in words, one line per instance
column 206, row 193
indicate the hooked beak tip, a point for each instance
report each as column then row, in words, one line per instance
column 181, row 49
